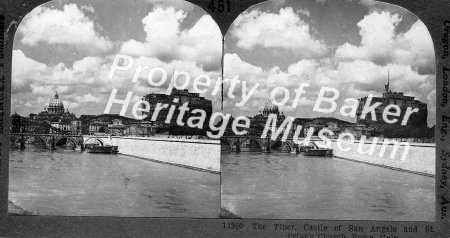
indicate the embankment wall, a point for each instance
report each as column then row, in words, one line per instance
column 192, row 153
column 420, row 159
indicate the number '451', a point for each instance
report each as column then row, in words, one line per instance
column 219, row 5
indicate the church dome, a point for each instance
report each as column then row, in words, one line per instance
column 55, row 106
column 270, row 108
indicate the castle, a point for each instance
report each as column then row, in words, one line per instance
column 388, row 97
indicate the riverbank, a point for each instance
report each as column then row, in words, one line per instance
column 420, row 158
column 226, row 214
column 13, row 209
column 386, row 167
column 198, row 154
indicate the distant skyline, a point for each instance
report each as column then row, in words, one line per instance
column 349, row 45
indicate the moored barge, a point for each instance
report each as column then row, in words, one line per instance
column 106, row 149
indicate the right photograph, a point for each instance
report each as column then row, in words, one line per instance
column 331, row 113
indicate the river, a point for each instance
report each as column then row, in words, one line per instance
column 290, row 186
column 67, row 182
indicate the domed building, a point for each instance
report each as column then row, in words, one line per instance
column 270, row 108
column 55, row 112
column 55, row 106
column 259, row 121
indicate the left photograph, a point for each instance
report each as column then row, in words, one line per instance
column 112, row 108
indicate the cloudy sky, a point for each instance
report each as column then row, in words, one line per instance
column 348, row 45
column 69, row 47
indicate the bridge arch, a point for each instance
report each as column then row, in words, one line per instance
column 273, row 142
column 93, row 138
column 261, row 146
column 227, row 142
column 288, row 143
column 68, row 138
column 283, row 145
column 14, row 140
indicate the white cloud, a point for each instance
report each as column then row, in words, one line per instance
column 304, row 12
column 236, row 66
column 166, row 41
column 356, row 70
column 37, row 88
column 380, row 43
column 353, row 79
column 304, row 68
column 321, row 1
column 79, row 83
column 377, row 32
column 368, row 3
column 285, row 30
column 24, row 69
column 88, row 8
column 370, row 77
column 87, row 98
column 177, row 4
column 84, row 85
column 88, row 64
column 69, row 26
column 268, row 80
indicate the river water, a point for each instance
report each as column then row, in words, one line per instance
column 75, row 183
column 290, row 186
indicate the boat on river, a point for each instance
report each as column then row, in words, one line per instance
column 105, row 149
column 303, row 148
column 312, row 149
column 319, row 152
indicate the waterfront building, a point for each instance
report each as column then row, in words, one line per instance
column 76, row 126
column 84, row 120
column 388, row 97
column 116, row 128
column 105, row 123
column 98, row 126
column 333, row 124
column 357, row 131
column 116, row 125
column 177, row 98
column 62, row 125
column 142, row 128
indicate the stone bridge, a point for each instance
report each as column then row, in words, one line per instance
column 236, row 143
column 51, row 140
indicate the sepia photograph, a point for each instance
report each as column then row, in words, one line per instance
column 339, row 102
column 98, row 127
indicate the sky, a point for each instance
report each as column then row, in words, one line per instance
column 347, row 45
column 350, row 45
column 69, row 47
